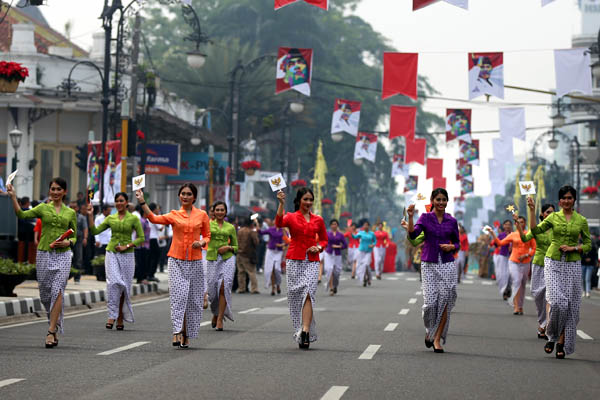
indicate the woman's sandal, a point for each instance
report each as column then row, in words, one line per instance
column 120, row 327
column 560, row 350
column 549, row 347
column 542, row 334
column 109, row 325
column 428, row 343
column 185, row 343
column 177, row 341
column 54, row 342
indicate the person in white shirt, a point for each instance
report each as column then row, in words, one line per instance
column 155, row 233
column 103, row 238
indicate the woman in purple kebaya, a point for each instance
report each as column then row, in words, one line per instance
column 332, row 261
column 438, row 269
column 273, row 257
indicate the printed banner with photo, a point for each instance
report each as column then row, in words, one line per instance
column 486, row 75
column 366, row 146
column 398, row 166
column 458, row 124
column 469, row 152
column 463, row 169
column 411, row 183
column 466, row 185
column 346, row 116
column 294, row 70
column 112, row 173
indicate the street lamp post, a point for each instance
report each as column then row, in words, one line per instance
column 15, row 139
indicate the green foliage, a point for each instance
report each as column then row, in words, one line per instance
column 9, row 267
column 346, row 49
column 97, row 261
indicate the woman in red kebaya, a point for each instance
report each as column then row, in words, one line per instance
column 379, row 251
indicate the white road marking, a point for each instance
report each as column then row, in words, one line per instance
column 280, row 300
column 411, row 279
column 249, row 310
column 584, row 335
column 82, row 314
column 205, row 323
column 7, row 382
column 369, row 352
column 412, row 301
column 404, row 311
column 487, row 283
column 343, row 279
column 391, row 278
column 335, row 393
column 399, row 273
column 418, row 293
column 529, row 298
column 468, row 282
column 391, row 327
column 122, row 348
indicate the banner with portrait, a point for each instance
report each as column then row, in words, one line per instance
column 346, row 116
column 458, row 124
column 366, row 146
column 294, row 70
column 486, row 75
column 112, row 172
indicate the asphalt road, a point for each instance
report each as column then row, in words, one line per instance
column 360, row 354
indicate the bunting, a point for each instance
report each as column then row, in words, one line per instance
column 573, row 71
column 439, row 182
column 458, row 124
column 415, row 151
column 435, row 168
column 469, row 152
column 411, row 183
column 418, row 4
column 294, row 70
column 346, row 116
column 466, row 185
column 403, row 121
column 512, row 123
column 463, row 169
column 398, row 166
column 366, row 146
column 400, row 74
column 486, row 75
column 324, row 4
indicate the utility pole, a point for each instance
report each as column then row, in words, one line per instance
column 135, row 52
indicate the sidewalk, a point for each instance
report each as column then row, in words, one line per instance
column 89, row 290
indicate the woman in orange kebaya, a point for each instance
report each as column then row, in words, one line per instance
column 186, row 272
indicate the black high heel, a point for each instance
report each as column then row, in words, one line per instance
column 542, row 334
column 109, row 325
column 184, row 342
column 560, row 350
column 120, row 327
column 304, row 340
column 177, row 342
column 549, row 347
column 428, row 343
column 213, row 322
column 437, row 350
column 55, row 342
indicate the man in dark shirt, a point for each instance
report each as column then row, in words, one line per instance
column 246, row 257
column 26, row 247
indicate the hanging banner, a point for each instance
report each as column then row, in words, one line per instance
column 486, row 74
column 411, row 184
column 194, row 168
column 458, row 124
column 469, row 152
column 346, row 116
column 398, row 166
column 400, row 74
column 417, row 4
column 317, row 3
column 466, row 185
column 512, row 122
column 573, row 71
column 415, row 151
column 294, row 70
column 503, row 149
column 112, row 173
column 435, row 168
column 403, row 121
column 546, row 2
column 366, row 146
column 439, row 182
column 463, row 169
column 161, row 159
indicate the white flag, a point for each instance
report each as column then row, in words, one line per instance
column 459, row 3
column 546, row 2
column 573, row 71
column 366, row 146
column 489, row 202
column 512, row 123
column 503, row 149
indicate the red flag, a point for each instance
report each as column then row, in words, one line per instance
column 400, row 74
column 415, row 151
column 294, row 70
column 439, row 182
column 417, row 4
column 402, row 122
column 317, row 3
column 435, row 166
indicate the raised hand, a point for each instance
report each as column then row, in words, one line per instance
column 281, row 197
column 411, row 210
column 139, row 195
column 530, row 203
column 10, row 189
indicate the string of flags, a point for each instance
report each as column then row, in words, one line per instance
column 417, row 4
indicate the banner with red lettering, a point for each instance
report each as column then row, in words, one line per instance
column 294, row 70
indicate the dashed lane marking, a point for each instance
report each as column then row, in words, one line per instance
column 391, row 327
column 404, row 311
column 411, row 279
column 335, row 393
column 122, row 348
column 584, row 335
column 529, row 298
column 249, row 310
column 391, row 278
column 418, row 293
column 412, row 301
column 468, row 282
column 280, row 300
column 487, row 283
column 370, row 351
column 7, row 382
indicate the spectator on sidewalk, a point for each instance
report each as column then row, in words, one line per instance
column 154, row 255
column 246, row 257
column 26, row 246
column 81, row 243
column 142, row 251
column 264, row 224
column 103, row 238
column 589, row 262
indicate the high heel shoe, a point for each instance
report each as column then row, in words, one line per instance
column 177, row 341
column 217, row 324
column 542, row 334
column 213, row 322
column 120, row 327
column 109, row 325
column 304, row 340
column 184, row 344
column 560, row 350
column 428, row 343
column 54, row 342
column 437, row 350
column 549, row 347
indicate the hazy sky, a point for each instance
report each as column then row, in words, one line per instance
column 442, row 35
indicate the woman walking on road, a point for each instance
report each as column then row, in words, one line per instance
column 518, row 265
column 273, row 257
column 501, row 262
column 119, row 261
column 333, row 256
column 562, row 270
column 302, row 262
column 53, row 258
column 352, row 248
column 538, row 283
column 365, row 248
column 186, row 280
column 380, row 248
column 221, row 265
column 438, row 268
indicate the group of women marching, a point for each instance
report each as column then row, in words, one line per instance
column 555, row 244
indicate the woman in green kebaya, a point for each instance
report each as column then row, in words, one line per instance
column 53, row 259
column 120, row 260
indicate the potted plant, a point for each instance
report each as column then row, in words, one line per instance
column 326, row 202
column 12, row 274
column 298, row 183
column 591, row 191
column 98, row 266
column 11, row 73
column 250, row 167
column 346, row 214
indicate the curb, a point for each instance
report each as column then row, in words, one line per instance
column 33, row 304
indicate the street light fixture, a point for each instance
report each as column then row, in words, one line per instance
column 558, row 120
column 15, row 139
column 296, row 106
column 195, row 140
column 553, row 143
column 195, row 59
column 337, row 137
column 358, row 162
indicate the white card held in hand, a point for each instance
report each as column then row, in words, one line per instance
column 527, row 187
column 254, row 216
column 487, row 229
column 11, row 177
column 138, row 182
column 277, row 182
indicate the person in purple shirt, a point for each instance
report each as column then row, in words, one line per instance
column 332, row 261
column 501, row 262
column 273, row 256
column 438, row 268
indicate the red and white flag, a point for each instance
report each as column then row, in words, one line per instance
column 469, row 152
column 294, row 70
column 346, row 116
column 402, row 122
column 398, row 166
column 417, row 4
column 458, row 124
column 400, row 74
column 415, row 151
column 366, row 146
column 324, row 4
column 486, row 75
column 573, row 71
